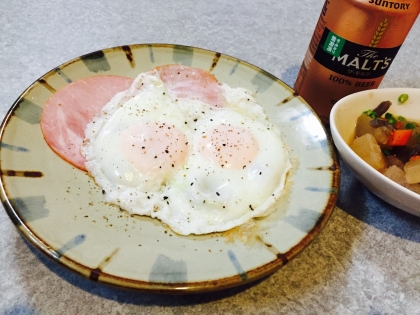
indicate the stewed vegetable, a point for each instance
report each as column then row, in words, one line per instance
column 390, row 144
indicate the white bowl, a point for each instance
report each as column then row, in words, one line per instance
column 343, row 118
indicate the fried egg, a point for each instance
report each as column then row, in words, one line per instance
column 196, row 167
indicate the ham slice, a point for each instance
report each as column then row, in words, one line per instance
column 70, row 109
column 67, row 112
column 191, row 83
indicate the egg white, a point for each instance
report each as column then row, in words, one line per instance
column 198, row 196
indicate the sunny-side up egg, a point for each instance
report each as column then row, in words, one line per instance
column 135, row 144
column 197, row 168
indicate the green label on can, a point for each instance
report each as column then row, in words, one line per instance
column 334, row 44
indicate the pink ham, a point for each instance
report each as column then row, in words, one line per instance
column 191, row 83
column 67, row 112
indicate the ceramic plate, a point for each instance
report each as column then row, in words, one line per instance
column 60, row 210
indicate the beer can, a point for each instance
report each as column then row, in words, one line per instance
column 352, row 47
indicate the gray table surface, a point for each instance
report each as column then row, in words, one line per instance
column 365, row 261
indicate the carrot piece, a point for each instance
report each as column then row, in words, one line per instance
column 415, row 157
column 400, row 137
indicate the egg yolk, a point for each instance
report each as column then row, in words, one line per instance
column 154, row 147
column 229, row 147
